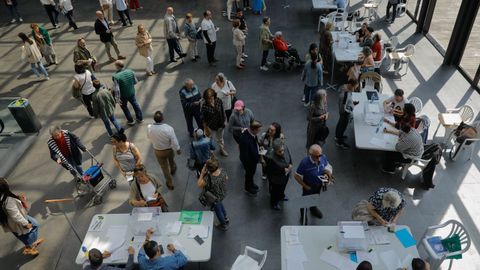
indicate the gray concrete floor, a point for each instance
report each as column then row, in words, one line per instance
column 272, row 96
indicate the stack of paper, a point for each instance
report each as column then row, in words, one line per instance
column 173, row 228
column 379, row 237
column 291, row 236
column 295, row 257
column 337, row 260
column 199, row 230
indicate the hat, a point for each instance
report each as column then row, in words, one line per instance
column 238, row 105
column 199, row 132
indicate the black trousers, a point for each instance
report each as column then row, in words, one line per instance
column 391, row 158
column 173, row 46
column 211, row 51
column 122, row 14
column 71, row 20
column 250, row 170
column 189, row 116
column 394, row 12
column 342, row 125
column 277, row 193
column 264, row 57
column 52, row 14
column 87, row 100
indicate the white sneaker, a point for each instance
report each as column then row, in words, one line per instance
column 269, row 63
column 244, row 55
column 13, row 21
column 306, row 104
column 264, row 68
column 20, row 19
column 47, row 78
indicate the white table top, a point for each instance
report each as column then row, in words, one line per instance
column 345, row 47
column 365, row 133
column 324, row 4
column 315, row 239
column 190, row 248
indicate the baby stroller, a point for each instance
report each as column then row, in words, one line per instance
column 91, row 180
column 285, row 61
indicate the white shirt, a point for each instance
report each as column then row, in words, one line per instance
column 86, row 77
column 222, row 93
column 47, row 2
column 207, row 25
column 66, row 4
column 162, row 137
column 105, row 2
column 121, row 5
column 147, row 190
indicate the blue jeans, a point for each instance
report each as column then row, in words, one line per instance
column 136, row 108
column 30, row 237
column 220, row 212
column 114, row 121
column 37, row 68
column 308, row 92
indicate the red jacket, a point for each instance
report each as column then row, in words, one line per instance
column 280, row 45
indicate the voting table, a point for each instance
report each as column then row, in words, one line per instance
column 323, row 4
column 369, row 130
column 116, row 232
column 345, row 49
column 316, row 247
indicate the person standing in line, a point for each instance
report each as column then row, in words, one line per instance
column 82, row 56
column 145, row 190
column 172, row 35
column 104, row 30
column 214, row 179
column 317, row 119
column 12, row 8
column 391, row 4
column 144, row 45
column 103, row 105
column 312, row 76
column 106, row 7
column 83, row 81
column 14, row 218
column 240, row 121
column 213, row 117
column 313, row 173
column 278, row 168
column 190, row 31
column 239, row 43
column 124, row 81
column 201, row 149
column 250, row 156
column 190, row 98
column 64, row 149
column 209, row 32
column 164, row 143
column 126, row 155
column 246, row 5
column 123, row 12
column 134, row 5
column 325, row 46
column 50, row 8
column 265, row 42
column 67, row 9
column 44, row 42
column 32, row 55
column 345, row 108
column 225, row 91
column 265, row 141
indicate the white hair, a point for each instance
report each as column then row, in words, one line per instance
column 391, row 199
column 55, row 129
column 314, row 147
column 278, row 34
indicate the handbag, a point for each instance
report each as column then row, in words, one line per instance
column 207, row 198
column 323, row 132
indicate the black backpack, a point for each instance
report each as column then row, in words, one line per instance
column 432, row 151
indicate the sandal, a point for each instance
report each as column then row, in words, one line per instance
column 30, row 251
column 38, row 242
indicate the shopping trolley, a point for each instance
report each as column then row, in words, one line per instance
column 91, row 180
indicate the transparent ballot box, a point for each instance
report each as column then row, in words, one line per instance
column 144, row 218
column 352, row 236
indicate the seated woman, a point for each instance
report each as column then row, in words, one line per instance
column 408, row 116
column 360, row 33
column 386, row 205
column 368, row 64
column 283, row 47
column 145, row 190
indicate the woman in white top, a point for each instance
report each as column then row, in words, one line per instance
column 239, row 43
column 83, row 81
column 225, row 91
column 145, row 190
column 32, row 54
column 67, row 9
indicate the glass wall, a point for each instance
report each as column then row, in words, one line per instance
column 471, row 56
column 414, row 7
column 443, row 21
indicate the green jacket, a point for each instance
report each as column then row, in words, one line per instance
column 265, row 34
column 103, row 103
column 126, row 80
column 45, row 35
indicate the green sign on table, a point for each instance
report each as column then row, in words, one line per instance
column 191, row 217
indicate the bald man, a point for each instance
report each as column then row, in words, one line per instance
column 103, row 29
column 172, row 34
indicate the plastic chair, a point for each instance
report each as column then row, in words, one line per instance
column 402, row 8
column 340, row 18
column 402, row 57
column 371, row 80
column 417, row 103
column 245, row 262
column 421, row 163
column 456, row 228
column 390, row 46
column 330, row 18
column 467, row 144
column 371, row 7
column 378, row 64
column 466, row 114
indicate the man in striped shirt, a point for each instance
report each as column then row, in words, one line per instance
column 410, row 144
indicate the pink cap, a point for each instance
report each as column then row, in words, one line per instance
column 238, row 105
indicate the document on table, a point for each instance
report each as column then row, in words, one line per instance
column 199, row 230
column 116, row 237
column 174, row 228
column 120, row 254
column 291, row 236
column 390, row 260
column 336, row 260
column 372, row 257
column 379, row 237
column 405, row 238
column 296, row 253
column 145, row 216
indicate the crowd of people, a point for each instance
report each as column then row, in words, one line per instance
column 214, row 109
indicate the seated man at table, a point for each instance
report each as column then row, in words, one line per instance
column 364, row 265
column 409, row 145
column 282, row 47
column 385, row 206
column 155, row 261
column 419, row 264
column 396, row 103
column 95, row 260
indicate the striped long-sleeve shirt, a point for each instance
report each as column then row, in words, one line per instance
column 410, row 143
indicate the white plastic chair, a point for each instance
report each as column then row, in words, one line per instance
column 455, row 228
column 330, row 18
column 457, row 147
column 371, row 80
column 390, row 46
column 421, row 163
column 402, row 57
column 371, row 6
column 417, row 103
column 466, row 114
column 402, row 8
column 245, row 262
column 340, row 18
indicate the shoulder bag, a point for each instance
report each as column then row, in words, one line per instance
column 77, row 91
column 207, row 198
